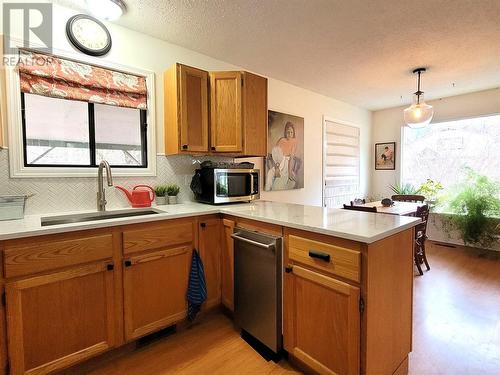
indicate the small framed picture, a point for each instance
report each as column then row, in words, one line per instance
column 385, row 156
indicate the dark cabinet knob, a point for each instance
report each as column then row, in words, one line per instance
column 110, row 267
column 203, row 225
column 128, row 263
column 288, row 269
column 184, row 147
column 213, row 148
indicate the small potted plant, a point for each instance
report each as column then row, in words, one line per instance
column 161, row 192
column 172, row 191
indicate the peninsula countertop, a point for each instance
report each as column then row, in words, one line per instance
column 358, row 226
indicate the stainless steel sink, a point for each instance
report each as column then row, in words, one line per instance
column 92, row 216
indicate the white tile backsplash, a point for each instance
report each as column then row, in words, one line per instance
column 58, row 194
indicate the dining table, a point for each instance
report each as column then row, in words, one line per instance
column 397, row 208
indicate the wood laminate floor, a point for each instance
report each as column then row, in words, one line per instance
column 456, row 314
column 456, row 330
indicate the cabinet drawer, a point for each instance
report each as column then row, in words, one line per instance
column 322, row 256
column 158, row 236
column 30, row 257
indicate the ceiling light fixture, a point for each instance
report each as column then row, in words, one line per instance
column 108, row 10
column 419, row 114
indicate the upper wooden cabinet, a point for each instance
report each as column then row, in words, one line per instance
column 235, row 122
column 186, row 110
column 225, row 112
column 238, row 113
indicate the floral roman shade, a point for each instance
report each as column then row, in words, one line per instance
column 66, row 79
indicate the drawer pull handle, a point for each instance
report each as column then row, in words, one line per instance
column 319, row 255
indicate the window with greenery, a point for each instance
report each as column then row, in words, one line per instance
column 70, row 133
column 446, row 152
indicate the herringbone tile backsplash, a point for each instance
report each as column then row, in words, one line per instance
column 57, row 194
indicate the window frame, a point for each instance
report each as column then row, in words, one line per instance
column 92, row 141
column 17, row 159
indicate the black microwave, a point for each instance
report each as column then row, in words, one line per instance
column 217, row 185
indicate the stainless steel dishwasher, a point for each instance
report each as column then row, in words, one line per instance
column 257, row 286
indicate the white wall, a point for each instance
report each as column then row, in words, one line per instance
column 134, row 49
column 387, row 125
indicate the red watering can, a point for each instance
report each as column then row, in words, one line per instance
column 139, row 197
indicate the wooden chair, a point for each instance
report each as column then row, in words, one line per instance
column 420, row 238
column 408, row 198
column 360, row 208
column 358, row 202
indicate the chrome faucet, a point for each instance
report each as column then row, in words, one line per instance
column 101, row 194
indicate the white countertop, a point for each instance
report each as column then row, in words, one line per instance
column 359, row 226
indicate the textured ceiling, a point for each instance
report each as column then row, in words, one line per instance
column 358, row 51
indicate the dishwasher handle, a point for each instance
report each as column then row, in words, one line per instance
column 252, row 242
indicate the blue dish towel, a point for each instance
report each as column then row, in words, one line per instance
column 197, row 289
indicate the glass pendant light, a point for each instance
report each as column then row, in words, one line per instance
column 419, row 114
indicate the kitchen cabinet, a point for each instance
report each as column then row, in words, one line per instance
column 348, row 305
column 3, row 332
column 238, row 113
column 186, row 110
column 235, row 121
column 322, row 321
column 210, row 253
column 227, row 264
column 155, row 288
column 61, row 318
column 225, row 111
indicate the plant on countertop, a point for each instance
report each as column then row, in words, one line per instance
column 475, row 204
column 403, row 189
column 161, row 190
column 173, row 190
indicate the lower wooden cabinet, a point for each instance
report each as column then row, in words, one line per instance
column 227, row 264
column 3, row 332
column 155, row 287
column 322, row 321
column 60, row 319
column 210, row 252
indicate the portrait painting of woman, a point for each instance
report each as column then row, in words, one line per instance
column 285, row 158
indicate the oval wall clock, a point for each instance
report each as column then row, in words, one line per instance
column 89, row 35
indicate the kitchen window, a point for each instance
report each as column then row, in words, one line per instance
column 69, row 133
column 68, row 115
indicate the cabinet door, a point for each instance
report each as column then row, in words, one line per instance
column 210, row 252
column 254, row 114
column 193, row 109
column 155, row 288
column 56, row 320
column 226, row 114
column 3, row 338
column 321, row 322
column 227, row 263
